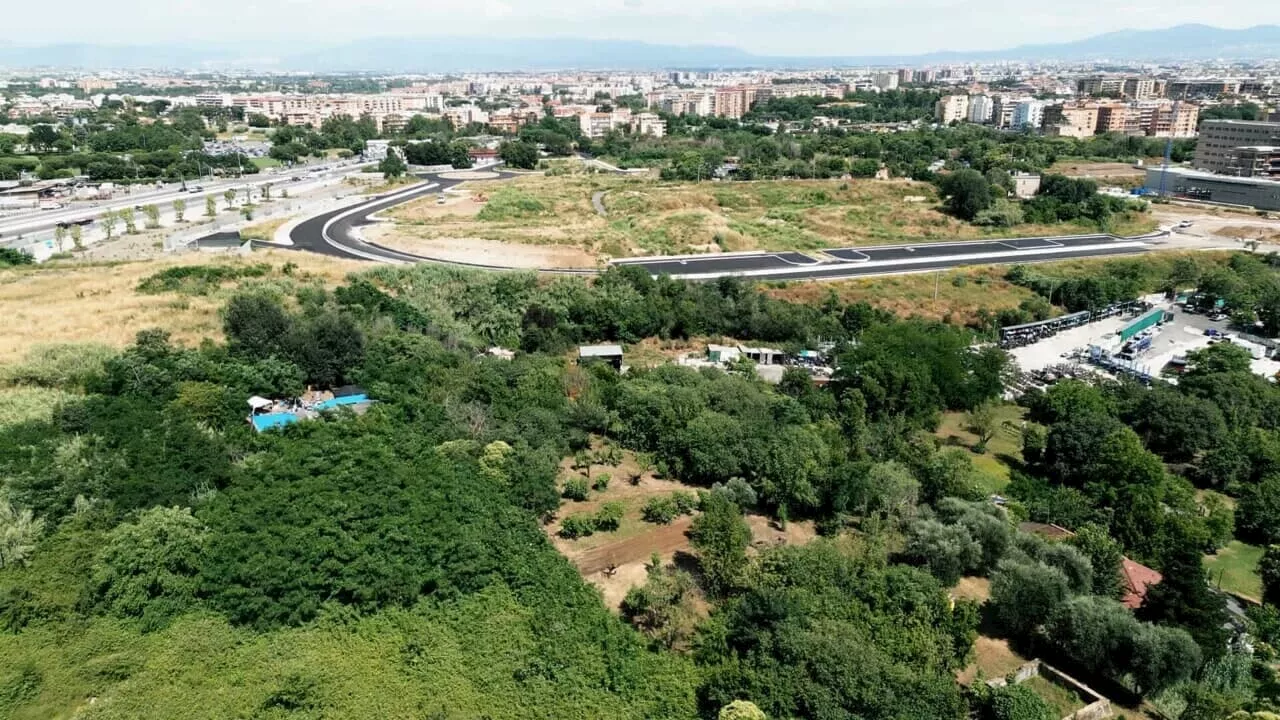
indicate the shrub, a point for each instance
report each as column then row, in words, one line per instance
column 198, row 279
column 660, row 510
column 609, row 517
column 577, row 526
column 686, row 502
column 576, row 489
column 602, row 482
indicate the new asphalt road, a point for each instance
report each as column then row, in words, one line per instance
column 336, row 233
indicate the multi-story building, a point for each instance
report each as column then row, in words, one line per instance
column 1028, row 115
column 981, row 108
column 1140, row 88
column 1173, row 120
column 905, row 76
column 731, row 102
column 1077, row 121
column 1257, row 161
column 648, row 124
column 1100, row 85
column 952, row 108
column 1217, row 150
column 885, row 81
column 1002, row 110
column 1117, row 118
column 596, row 125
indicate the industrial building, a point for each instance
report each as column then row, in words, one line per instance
column 1220, row 141
column 1257, row 193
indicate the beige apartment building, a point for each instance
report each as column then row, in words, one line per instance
column 731, row 102
column 1077, row 121
column 952, row 108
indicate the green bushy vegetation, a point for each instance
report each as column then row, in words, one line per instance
column 164, row 560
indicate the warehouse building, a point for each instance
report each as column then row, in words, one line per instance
column 1255, row 192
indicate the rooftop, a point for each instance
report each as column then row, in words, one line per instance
column 1137, row 579
column 600, row 351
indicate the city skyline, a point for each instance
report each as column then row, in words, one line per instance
column 805, row 28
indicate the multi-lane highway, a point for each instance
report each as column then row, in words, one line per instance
column 336, row 232
column 35, row 222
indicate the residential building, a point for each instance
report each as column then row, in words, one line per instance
column 952, row 108
column 1219, row 140
column 731, row 102
column 1138, row 579
column 1140, row 88
column 1028, row 115
column 981, row 108
column 905, row 76
column 1118, row 118
column 648, row 124
column 1174, row 120
column 1002, row 111
column 1026, row 185
column 1077, row 121
column 885, row 81
column 1100, row 85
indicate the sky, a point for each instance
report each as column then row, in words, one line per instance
column 772, row 27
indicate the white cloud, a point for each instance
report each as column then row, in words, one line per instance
column 765, row 26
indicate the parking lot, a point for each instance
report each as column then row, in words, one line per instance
column 1174, row 339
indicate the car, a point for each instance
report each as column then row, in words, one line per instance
column 1212, row 332
column 1185, row 224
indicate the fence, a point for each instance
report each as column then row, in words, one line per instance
column 1098, row 707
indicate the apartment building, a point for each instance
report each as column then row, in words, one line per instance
column 1140, row 88
column 596, row 125
column 885, row 81
column 731, row 102
column 1002, row 110
column 1100, row 85
column 1172, row 120
column 1028, row 115
column 981, row 108
column 951, row 108
column 1117, row 118
column 1077, row 121
column 1221, row 140
column 648, row 124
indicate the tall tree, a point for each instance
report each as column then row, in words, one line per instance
column 721, row 536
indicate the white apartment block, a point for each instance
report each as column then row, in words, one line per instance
column 1028, row 115
column 648, row 124
column 981, row 108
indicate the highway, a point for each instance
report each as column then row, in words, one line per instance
column 336, row 232
column 36, row 221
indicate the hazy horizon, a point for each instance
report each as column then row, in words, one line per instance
column 806, row 28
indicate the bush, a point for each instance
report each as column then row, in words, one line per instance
column 686, row 502
column 609, row 517
column 59, row 366
column 577, row 526
column 198, row 279
column 660, row 510
column 602, row 482
column 11, row 256
column 576, row 489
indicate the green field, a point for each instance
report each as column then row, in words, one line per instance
column 1235, row 569
column 262, row 163
column 1002, row 450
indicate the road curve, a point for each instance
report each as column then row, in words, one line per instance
column 336, row 233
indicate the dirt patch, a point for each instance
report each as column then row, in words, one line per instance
column 993, row 657
column 478, row 251
column 1097, row 170
column 97, row 302
column 977, row 589
column 765, row 533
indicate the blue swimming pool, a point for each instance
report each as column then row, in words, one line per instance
column 272, row 420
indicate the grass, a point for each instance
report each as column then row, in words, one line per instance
column 961, row 294
column 1235, row 569
column 992, row 658
column 23, row 404
column 58, row 303
column 262, row 163
column 265, row 230
column 1063, row 701
column 1003, row 448
column 647, row 216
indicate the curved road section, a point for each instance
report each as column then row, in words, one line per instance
column 336, row 233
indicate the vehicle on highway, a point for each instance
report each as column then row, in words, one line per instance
column 196, row 189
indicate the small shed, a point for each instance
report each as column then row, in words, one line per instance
column 611, row 354
column 763, row 356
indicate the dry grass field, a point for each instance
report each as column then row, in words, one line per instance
column 650, row 217
column 99, row 303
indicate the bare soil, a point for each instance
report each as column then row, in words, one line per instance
column 478, row 251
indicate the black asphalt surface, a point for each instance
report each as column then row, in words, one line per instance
column 940, row 250
column 852, row 262
column 733, row 263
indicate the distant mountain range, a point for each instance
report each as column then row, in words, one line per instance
column 452, row 54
